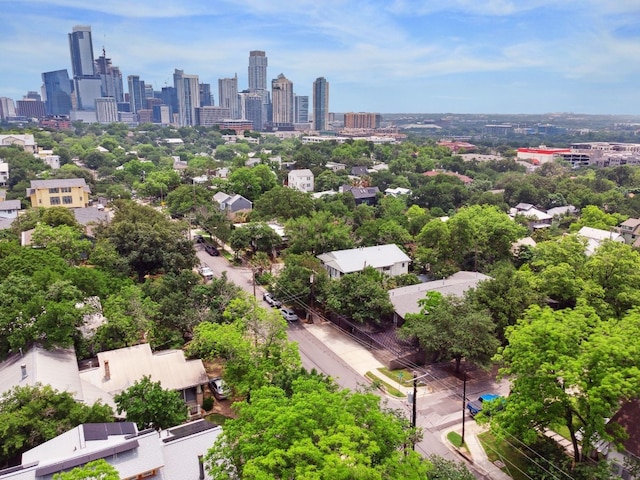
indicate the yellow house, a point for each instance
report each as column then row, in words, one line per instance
column 66, row 192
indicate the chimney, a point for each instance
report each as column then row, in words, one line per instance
column 23, row 370
column 107, row 371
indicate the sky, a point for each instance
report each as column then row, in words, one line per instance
column 386, row 56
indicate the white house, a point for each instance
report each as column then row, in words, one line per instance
column 4, row 173
column 596, row 237
column 167, row 455
column 387, row 259
column 301, row 180
column 10, row 208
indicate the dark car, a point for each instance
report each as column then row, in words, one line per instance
column 475, row 406
column 218, row 388
column 198, row 239
column 211, row 250
column 267, row 297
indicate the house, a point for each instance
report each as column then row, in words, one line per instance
column 170, row 454
column 367, row 195
column 398, row 191
column 628, row 453
column 4, row 173
column 630, row 231
column 561, row 211
column 27, row 142
column 301, row 180
column 10, row 208
column 231, row 204
column 463, row 178
column 57, row 368
column 596, row 237
column 536, row 218
column 117, row 370
column 335, row 166
column 387, row 259
column 405, row 299
column 67, row 192
column 359, row 171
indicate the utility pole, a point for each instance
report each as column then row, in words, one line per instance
column 464, row 400
column 415, row 404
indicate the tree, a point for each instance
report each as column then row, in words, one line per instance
column 320, row 232
column 571, row 368
column 96, row 470
column 592, row 216
column 447, row 469
column 186, row 198
column 316, row 432
column 301, row 279
column 282, row 203
column 148, row 241
column 453, row 328
column 31, row 415
column 150, row 406
column 360, row 297
column 65, row 241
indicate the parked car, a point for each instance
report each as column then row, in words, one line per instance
column 198, row 239
column 218, row 388
column 289, row 315
column 206, row 272
column 211, row 250
column 475, row 406
column 267, row 297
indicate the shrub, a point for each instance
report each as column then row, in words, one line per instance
column 207, row 404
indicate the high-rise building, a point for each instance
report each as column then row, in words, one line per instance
column 57, row 87
column 88, row 85
column 257, row 70
column 228, row 95
column 111, row 78
column 301, row 109
column 252, row 108
column 169, row 97
column 81, row 48
column 206, row 100
column 7, row 108
column 282, row 100
column 362, row 120
column 136, row 93
column 106, row 110
column 30, row 108
column 320, row 104
column 188, row 95
column 209, row 116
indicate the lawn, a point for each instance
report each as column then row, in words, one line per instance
column 515, row 463
column 401, row 375
column 390, row 389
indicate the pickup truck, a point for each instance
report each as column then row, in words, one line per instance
column 475, row 406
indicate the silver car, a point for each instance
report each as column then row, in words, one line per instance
column 289, row 315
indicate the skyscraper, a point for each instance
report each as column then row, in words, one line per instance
column 282, row 100
column 206, row 100
column 88, row 85
column 110, row 78
column 7, row 108
column 136, row 93
column 57, row 87
column 228, row 95
column 81, row 51
column 188, row 95
column 301, row 109
column 257, row 70
column 320, row 104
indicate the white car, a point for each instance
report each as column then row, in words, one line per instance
column 206, row 272
column 289, row 315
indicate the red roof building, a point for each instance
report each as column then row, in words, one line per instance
column 540, row 155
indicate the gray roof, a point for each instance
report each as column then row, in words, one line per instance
column 11, row 205
column 361, row 192
column 405, row 299
column 88, row 215
column 60, row 182
column 355, row 259
column 128, row 365
column 6, row 223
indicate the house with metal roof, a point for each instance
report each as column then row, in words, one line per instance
column 387, row 259
column 170, row 454
column 405, row 299
column 231, row 204
column 368, row 195
column 10, row 208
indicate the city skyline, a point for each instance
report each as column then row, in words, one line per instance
column 492, row 56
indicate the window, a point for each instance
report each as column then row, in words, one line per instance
column 54, row 200
column 53, row 190
column 67, row 199
column 65, row 190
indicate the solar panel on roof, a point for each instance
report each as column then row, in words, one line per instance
column 189, row 429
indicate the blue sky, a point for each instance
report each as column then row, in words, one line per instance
column 388, row 56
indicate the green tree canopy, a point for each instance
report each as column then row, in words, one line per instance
column 150, row 406
column 96, row 470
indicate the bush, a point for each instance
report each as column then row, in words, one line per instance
column 207, row 404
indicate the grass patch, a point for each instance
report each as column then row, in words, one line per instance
column 563, row 431
column 455, row 438
column 377, row 382
column 401, row 375
column 515, row 463
column 216, row 418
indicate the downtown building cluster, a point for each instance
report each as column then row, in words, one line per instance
column 95, row 92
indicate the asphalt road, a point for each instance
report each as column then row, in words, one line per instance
column 314, row 354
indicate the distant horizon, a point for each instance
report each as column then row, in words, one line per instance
column 528, row 57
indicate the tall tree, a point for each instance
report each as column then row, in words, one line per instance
column 320, row 232
column 96, row 470
column 150, row 406
column 570, row 368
